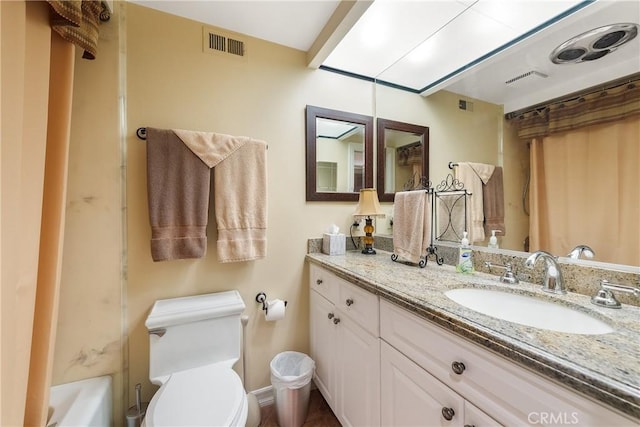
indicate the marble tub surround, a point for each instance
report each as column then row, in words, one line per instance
column 582, row 277
column 603, row 367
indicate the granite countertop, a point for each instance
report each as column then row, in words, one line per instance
column 605, row 367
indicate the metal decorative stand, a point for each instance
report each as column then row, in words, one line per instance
column 422, row 183
column 449, row 194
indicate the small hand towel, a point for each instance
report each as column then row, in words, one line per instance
column 493, row 203
column 473, row 176
column 411, row 224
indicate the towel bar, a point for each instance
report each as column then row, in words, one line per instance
column 142, row 134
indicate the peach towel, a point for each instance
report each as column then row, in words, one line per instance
column 240, row 191
column 411, row 224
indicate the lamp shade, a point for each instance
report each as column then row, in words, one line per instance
column 368, row 204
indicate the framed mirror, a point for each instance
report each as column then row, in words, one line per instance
column 403, row 157
column 339, row 154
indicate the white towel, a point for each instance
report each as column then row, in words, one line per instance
column 473, row 176
column 411, row 224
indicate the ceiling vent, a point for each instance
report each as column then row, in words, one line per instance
column 528, row 76
column 224, row 43
column 594, row 44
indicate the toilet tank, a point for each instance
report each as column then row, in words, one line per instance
column 193, row 331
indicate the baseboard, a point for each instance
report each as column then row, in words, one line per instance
column 264, row 396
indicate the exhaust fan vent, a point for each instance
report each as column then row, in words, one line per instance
column 219, row 42
column 594, row 44
column 528, row 75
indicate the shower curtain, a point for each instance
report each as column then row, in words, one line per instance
column 585, row 189
column 37, row 82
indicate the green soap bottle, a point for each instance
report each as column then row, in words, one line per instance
column 465, row 256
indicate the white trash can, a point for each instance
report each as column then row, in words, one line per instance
column 291, row 374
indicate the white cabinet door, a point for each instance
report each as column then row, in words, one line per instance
column 412, row 397
column 358, row 375
column 323, row 337
column 474, row 417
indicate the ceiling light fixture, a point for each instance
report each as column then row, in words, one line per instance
column 594, row 44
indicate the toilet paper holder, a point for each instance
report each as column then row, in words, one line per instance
column 262, row 298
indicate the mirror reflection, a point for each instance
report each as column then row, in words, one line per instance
column 339, row 154
column 403, row 157
column 594, row 184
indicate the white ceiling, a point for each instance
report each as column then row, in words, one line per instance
column 428, row 45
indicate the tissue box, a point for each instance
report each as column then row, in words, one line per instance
column 334, row 244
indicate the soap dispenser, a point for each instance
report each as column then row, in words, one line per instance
column 465, row 257
column 493, row 240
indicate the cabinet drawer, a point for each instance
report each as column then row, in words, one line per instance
column 323, row 282
column 497, row 386
column 360, row 305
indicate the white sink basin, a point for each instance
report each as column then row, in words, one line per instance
column 528, row 311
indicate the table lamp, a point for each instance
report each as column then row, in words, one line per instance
column 368, row 206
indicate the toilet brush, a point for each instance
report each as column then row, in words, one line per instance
column 253, row 416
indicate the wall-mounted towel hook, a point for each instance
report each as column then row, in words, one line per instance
column 261, row 298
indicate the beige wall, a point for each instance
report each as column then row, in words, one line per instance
column 171, row 83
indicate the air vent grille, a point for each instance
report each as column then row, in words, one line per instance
column 236, row 47
column 528, row 74
column 220, row 42
column 217, row 42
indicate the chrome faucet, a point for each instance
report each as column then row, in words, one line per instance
column 553, row 281
column 605, row 297
column 508, row 276
column 584, row 250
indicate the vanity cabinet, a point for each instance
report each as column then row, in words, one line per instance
column 492, row 390
column 380, row 364
column 346, row 348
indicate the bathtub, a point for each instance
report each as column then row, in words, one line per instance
column 81, row 403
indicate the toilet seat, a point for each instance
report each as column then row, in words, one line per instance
column 211, row 395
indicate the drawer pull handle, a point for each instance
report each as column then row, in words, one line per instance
column 469, row 425
column 330, row 316
column 349, row 302
column 458, row 367
column 336, row 320
column 319, row 282
column 448, row 413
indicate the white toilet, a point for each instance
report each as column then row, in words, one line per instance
column 194, row 342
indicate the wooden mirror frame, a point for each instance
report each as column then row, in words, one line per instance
column 312, row 113
column 382, row 125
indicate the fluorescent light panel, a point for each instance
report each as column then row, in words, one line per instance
column 416, row 43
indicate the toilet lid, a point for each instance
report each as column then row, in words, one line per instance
column 207, row 396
